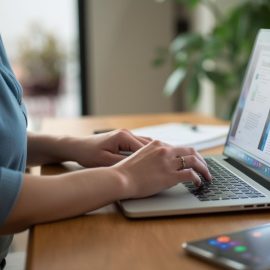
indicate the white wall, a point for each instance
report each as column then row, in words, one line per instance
column 123, row 37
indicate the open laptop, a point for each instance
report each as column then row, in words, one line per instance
column 242, row 173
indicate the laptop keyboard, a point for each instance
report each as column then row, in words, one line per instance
column 224, row 186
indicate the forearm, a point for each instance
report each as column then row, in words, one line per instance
column 45, row 149
column 49, row 198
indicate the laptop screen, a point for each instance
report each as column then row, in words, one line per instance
column 248, row 140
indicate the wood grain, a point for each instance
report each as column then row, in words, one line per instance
column 105, row 239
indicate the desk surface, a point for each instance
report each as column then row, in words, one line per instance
column 107, row 240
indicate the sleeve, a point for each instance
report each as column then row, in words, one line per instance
column 10, row 185
column 3, row 55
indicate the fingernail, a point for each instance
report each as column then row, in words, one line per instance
column 198, row 184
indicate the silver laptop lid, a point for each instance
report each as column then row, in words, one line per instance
column 248, row 141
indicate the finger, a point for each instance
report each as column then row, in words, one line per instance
column 201, row 158
column 193, row 162
column 186, row 151
column 111, row 159
column 149, row 139
column 189, row 175
column 129, row 142
column 144, row 140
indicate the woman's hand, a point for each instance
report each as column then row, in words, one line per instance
column 107, row 149
column 92, row 151
column 157, row 166
column 151, row 169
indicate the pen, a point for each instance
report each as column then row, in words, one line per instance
column 99, row 131
column 194, row 128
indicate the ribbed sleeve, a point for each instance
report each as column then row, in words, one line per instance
column 10, row 185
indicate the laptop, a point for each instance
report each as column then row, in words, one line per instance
column 241, row 175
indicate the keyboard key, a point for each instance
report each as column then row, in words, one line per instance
column 224, row 186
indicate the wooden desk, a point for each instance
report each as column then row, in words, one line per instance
column 106, row 239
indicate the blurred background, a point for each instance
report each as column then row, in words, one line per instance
column 42, row 39
column 102, row 57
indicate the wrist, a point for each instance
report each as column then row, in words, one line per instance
column 44, row 149
column 106, row 184
column 123, row 182
column 67, row 148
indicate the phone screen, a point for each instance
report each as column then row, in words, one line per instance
column 247, row 249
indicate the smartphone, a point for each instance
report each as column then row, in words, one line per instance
column 246, row 249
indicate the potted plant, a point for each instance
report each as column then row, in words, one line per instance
column 41, row 61
column 220, row 56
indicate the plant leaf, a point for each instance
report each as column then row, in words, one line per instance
column 217, row 78
column 194, row 90
column 187, row 41
column 158, row 62
column 189, row 3
column 161, row 57
column 174, row 81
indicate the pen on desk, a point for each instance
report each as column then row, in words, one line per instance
column 194, row 128
column 99, row 131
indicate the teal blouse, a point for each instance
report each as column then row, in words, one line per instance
column 13, row 143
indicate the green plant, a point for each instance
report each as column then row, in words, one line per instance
column 221, row 56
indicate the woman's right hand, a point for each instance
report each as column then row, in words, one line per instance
column 158, row 166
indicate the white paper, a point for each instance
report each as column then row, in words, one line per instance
column 198, row 136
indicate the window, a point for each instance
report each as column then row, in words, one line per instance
column 42, row 39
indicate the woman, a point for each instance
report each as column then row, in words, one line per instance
column 27, row 199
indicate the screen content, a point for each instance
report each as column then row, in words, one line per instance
column 249, row 140
column 249, row 247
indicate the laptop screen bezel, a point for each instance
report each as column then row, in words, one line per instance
column 229, row 149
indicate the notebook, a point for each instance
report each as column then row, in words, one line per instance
column 197, row 136
column 242, row 174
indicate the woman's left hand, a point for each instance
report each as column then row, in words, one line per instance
column 107, row 149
